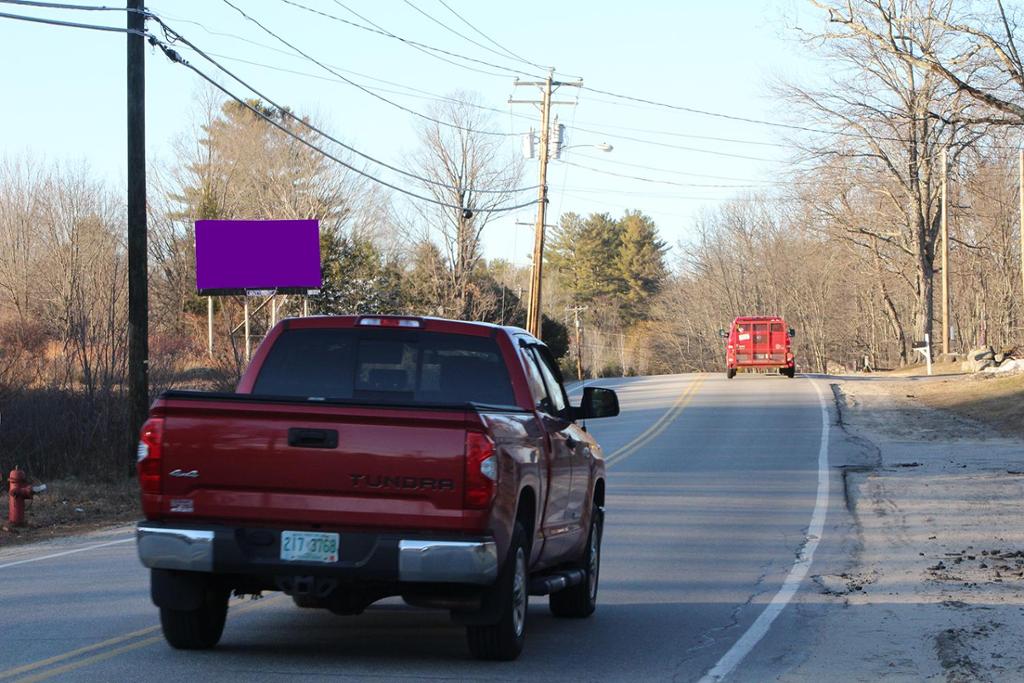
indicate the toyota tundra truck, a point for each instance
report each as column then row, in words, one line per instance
column 365, row 457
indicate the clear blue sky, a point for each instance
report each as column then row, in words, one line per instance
column 64, row 92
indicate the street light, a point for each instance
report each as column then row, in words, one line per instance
column 600, row 147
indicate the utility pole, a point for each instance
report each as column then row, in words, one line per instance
column 1020, row 186
column 547, row 86
column 138, row 280
column 945, row 260
column 576, row 310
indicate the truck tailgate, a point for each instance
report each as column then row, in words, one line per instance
column 310, row 465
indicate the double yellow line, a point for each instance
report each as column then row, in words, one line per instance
column 38, row 671
column 659, row 426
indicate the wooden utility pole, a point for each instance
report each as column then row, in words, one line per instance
column 533, row 315
column 1020, row 187
column 547, row 86
column 576, row 310
column 945, row 260
column 138, row 281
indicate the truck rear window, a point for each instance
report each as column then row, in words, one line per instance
column 394, row 367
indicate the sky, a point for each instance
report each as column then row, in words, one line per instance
column 64, row 89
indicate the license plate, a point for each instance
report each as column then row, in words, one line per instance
column 309, row 546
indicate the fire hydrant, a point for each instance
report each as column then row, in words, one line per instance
column 20, row 491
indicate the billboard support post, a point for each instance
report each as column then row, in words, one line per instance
column 209, row 325
column 273, row 310
column 248, row 340
column 305, row 306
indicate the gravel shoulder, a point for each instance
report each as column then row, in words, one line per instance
column 932, row 583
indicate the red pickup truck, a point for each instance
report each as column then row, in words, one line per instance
column 364, row 457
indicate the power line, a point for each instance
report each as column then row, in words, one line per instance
column 62, row 5
column 464, row 36
column 653, row 180
column 423, row 47
column 693, row 136
column 357, row 85
column 693, row 175
column 491, row 40
column 668, row 145
column 68, row 24
column 175, row 57
column 175, row 36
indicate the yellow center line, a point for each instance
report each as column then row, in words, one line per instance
column 99, row 657
column 659, row 426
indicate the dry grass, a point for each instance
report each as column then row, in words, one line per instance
column 996, row 402
column 72, row 506
column 920, row 369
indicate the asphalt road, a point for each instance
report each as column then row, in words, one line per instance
column 712, row 487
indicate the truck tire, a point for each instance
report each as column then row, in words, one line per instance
column 730, row 373
column 580, row 601
column 196, row 629
column 504, row 639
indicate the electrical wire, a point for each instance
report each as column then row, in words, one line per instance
column 173, row 36
column 175, row 57
column 674, row 171
column 448, row 28
column 63, row 5
column 423, row 47
column 70, row 24
column 653, row 180
column 491, row 40
column 357, row 85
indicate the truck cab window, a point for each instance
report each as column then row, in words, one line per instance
column 536, row 381
column 556, row 393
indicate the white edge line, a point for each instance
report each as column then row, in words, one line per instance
column 742, row 647
column 67, row 552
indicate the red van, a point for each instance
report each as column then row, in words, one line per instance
column 759, row 344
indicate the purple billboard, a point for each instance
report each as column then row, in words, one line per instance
column 235, row 256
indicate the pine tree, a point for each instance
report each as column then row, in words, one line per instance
column 640, row 264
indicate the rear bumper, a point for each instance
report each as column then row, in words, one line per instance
column 362, row 556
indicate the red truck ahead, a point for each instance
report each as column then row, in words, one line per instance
column 364, row 457
column 758, row 343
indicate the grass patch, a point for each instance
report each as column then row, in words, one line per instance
column 71, row 506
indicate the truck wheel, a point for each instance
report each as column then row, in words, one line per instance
column 730, row 373
column 196, row 629
column 581, row 600
column 504, row 640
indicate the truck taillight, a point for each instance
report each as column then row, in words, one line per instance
column 149, row 454
column 481, row 471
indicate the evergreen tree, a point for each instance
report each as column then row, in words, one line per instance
column 640, row 265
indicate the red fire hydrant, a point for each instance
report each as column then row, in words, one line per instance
column 20, row 491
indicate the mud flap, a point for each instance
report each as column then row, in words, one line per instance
column 178, row 590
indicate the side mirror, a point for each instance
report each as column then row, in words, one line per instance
column 723, row 334
column 598, row 402
column 792, row 333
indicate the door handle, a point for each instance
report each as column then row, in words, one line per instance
column 312, row 438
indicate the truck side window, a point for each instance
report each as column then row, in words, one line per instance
column 556, row 393
column 535, row 380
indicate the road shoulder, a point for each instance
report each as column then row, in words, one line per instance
column 928, row 584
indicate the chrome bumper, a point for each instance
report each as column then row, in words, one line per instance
column 185, row 549
column 419, row 560
column 448, row 561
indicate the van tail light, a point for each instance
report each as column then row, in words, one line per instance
column 149, row 454
column 481, row 472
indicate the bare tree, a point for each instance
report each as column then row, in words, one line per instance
column 891, row 120
column 471, row 172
